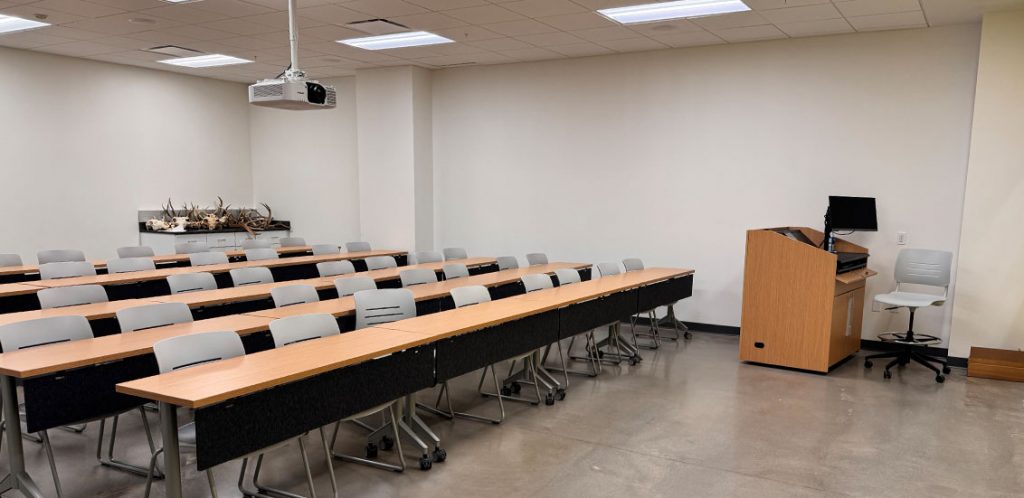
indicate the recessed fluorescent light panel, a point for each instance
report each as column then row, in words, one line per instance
column 682, row 9
column 397, row 40
column 209, row 60
column 10, row 24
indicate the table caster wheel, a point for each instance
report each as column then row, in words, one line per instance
column 440, row 455
column 886, row 374
column 633, row 360
column 560, row 394
column 387, row 443
column 426, row 462
column 940, row 378
column 517, row 388
column 946, row 370
column 506, row 391
column 371, row 450
column 549, row 399
column 868, row 364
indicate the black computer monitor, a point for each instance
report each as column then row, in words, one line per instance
column 852, row 213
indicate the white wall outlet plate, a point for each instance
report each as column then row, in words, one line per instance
column 901, row 238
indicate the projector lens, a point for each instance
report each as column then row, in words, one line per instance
column 316, row 93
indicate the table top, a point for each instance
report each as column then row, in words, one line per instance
column 18, row 289
column 92, row 311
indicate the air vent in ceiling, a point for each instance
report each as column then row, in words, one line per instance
column 378, row 26
column 174, row 51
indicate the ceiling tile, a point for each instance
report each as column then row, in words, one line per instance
column 448, row 60
column 232, row 8
column 749, row 33
column 517, row 28
column 888, row 21
column 632, row 45
column 607, row 4
column 799, row 14
column 543, row 8
column 666, row 27
column 240, row 27
column 72, row 33
column 942, row 12
column 187, row 13
column 468, row 33
column 249, row 42
column 81, row 48
column 734, row 20
column 531, row 54
column 691, row 39
column 78, row 7
column 330, row 32
column 428, row 21
column 778, row 4
column 279, row 20
column 385, row 8
column 573, row 22
column 31, row 39
column 447, row 4
column 198, row 32
column 603, row 34
column 500, row 44
column 550, row 39
column 487, row 14
column 816, row 28
column 131, row 5
column 851, row 8
column 52, row 16
column 581, row 49
column 332, row 14
column 118, row 25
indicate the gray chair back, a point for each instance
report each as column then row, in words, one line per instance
column 43, row 331
column 294, row 294
column 191, row 282
column 333, row 268
column 537, row 281
column 357, row 246
column 256, row 244
column 322, row 249
column 66, row 269
column 190, row 248
column 609, row 268
column 374, row 307
column 153, row 315
column 59, row 297
column 421, row 257
column 10, row 260
column 416, row 276
column 135, row 252
column 567, row 276
column 125, row 265
column 633, row 264
column 455, row 270
column 507, row 262
column 537, row 258
column 350, row 285
column 454, row 253
column 380, row 262
column 923, row 267
column 59, row 256
column 261, row 254
column 251, row 275
column 292, row 241
column 195, row 349
column 301, row 328
column 208, row 258
column 469, row 295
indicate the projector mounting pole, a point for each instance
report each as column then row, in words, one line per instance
column 293, row 40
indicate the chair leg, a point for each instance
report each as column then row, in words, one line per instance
column 330, row 463
column 48, row 448
column 470, row 416
column 112, row 462
column 152, row 469
column 212, row 482
column 393, row 424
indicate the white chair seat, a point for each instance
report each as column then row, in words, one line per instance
column 909, row 299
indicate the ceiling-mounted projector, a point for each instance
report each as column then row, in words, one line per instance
column 291, row 90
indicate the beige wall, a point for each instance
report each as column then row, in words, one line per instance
column 989, row 304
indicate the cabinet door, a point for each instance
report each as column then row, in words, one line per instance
column 221, row 240
column 847, row 318
column 274, row 236
column 198, row 238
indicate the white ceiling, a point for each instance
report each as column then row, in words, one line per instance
column 485, row 31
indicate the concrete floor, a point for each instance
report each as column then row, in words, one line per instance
column 689, row 421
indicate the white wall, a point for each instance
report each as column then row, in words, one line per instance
column 672, row 155
column 989, row 307
column 87, row 144
column 305, row 166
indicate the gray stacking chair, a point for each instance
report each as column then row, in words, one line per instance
column 454, row 253
column 536, row 258
column 357, row 246
column 187, row 351
column 421, row 257
column 66, row 269
column 609, row 268
column 191, row 282
column 381, row 262
column 334, row 268
column 455, row 270
column 251, row 275
column 135, row 252
column 208, row 258
column 10, row 260
column 290, row 295
column 59, row 256
column 507, row 262
column 417, row 276
column 636, row 264
column 126, row 265
column 350, row 285
column 623, row 350
column 190, row 248
column 535, row 282
column 568, row 276
column 292, row 241
column 256, row 244
column 59, row 297
column 261, row 254
column 152, row 315
column 323, row 249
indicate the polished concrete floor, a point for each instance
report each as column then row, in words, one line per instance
column 689, row 421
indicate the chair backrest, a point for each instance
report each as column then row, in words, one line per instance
column 261, row 254
column 125, row 265
column 191, row 282
column 300, row 328
column 537, row 258
column 633, row 264
column 507, row 262
column 10, row 260
column 455, row 270
column 357, row 246
column 567, row 276
column 43, row 331
column 195, row 349
column 251, row 275
column 537, row 281
column 421, row 257
column 292, row 241
column 469, row 295
column 379, row 262
column 332, row 268
column 66, row 269
column 294, row 294
column 322, row 249
column 416, row 276
column 350, row 285
column 256, row 244
column 609, row 268
column 59, row 256
column 153, row 315
column 59, row 297
column 135, row 252
column 207, row 258
column 377, row 306
column 923, row 267
column 190, row 248
column 454, row 253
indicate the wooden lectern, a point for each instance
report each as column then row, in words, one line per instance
column 797, row 312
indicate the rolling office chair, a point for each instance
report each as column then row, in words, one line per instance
column 291, row 295
column 417, row 276
column 261, row 254
column 455, row 270
column 60, row 297
column 207, row 258
column 454, row 253
column 251, row 276
column 190, row 248
column 191, row 282
column 323, row 249
column 357, row 246
column 59, row 256
column 335, row 268
column 10, row 260
column 292, row 241
column 66, row 269
column 915, row 267
column 536, row 258
column 126, row 265
column 381, row 262
column 135, row 252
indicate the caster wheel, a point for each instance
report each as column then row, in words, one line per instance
column 549, row 399
column 887, row 375
column 560, row 394
column 687, row 335
column 946, row 370
column 632, row 361
column 426, row 463
column 371, row 450
column 440, row 455
column 387, row 443
column 940, row 378
column 506, row 391
column 868, row 364
column 517, row 388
